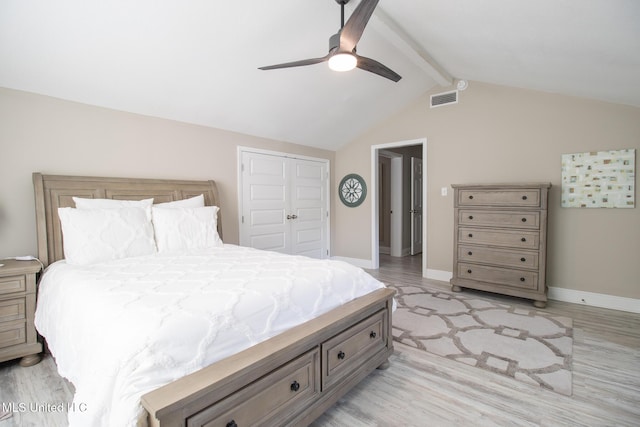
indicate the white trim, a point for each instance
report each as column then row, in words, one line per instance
column 441, row 275
column 362, row 263
column 396, row 199
column 375, row 253
column 242, row 149
column 594, row 299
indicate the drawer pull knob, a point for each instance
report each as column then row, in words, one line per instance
column 469, row 253
column 372, row 335
column 524, row 219
column 523, row 239
column 341, row 355
column 524, row 197
column 522, row 279
column 470, row 234
column 295, row 386
column 470, row 216
column 232, row 423
column 470, row 197
column 469, row 271
column 523, row 259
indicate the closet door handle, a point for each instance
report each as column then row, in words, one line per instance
column 292, row 216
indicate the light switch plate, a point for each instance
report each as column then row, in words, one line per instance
column 443, row 191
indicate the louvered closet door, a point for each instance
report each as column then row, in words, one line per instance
column 284, row 204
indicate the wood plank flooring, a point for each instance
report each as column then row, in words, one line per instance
column 421, row 389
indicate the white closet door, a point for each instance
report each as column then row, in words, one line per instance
column 309, row 205
column 284, row 204
column 266, row 198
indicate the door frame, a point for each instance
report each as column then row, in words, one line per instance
column 375, row 244
column 243, row 149
column 396, row 218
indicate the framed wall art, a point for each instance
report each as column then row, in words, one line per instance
column 599, row 179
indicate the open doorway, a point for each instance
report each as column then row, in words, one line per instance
column 399, row 201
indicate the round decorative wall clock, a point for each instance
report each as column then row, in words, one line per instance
column 352, row 190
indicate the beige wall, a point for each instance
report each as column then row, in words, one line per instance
column 48, row 135
column 499, row 134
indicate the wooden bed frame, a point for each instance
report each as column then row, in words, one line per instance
column 289, row 379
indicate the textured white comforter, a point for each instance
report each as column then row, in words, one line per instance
column 123, row 328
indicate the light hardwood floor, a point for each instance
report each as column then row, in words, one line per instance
column 420, row 389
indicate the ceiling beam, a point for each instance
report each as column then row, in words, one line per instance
column 391, row 31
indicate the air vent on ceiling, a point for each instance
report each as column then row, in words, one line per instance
column 446, row 98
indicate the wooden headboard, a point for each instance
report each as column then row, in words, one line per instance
column 56, row 191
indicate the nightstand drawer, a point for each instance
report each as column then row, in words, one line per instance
column 12, row 284
column 506, row 219
column 502, row 276
column 12, row 309
column 499, row 197
column 12, row 333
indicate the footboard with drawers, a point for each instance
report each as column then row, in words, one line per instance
column 289, row 379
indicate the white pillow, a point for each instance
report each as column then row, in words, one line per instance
column 111, row 203
column 193, row 202
column 98, row 235
column 181, row 229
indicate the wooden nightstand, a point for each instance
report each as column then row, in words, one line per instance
column 18, row 337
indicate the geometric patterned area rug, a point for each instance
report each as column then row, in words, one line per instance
column 525, row 344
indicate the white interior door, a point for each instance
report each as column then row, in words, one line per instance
column 285, row 205
column 265, row 202
column 416, row 206
column 309, row 205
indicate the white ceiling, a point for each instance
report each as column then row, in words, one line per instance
column 197, row 60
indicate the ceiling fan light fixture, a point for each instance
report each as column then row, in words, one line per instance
column 343, row 62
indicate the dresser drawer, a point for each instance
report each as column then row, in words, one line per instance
column 269, row 400
column 344, row 353
column 502, row 276
column 12, row 309
column 499, row 257
column 506, row 238
column 507, row 219
column 12, row 284
column 499, row 197
column 12, row 333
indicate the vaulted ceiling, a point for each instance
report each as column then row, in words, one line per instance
column 197, row 60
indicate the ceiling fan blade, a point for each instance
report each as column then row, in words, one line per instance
column 353, row 29
column 375, row 67
column 296, row 63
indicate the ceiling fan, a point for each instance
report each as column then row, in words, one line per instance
column 342, row 54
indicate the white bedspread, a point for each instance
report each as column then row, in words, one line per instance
column 123, row 328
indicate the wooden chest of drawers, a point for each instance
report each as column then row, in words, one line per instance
column 18, row 337
column 500, row 239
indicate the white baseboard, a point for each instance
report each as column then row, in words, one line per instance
column 594, row 299
column 443, row 276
